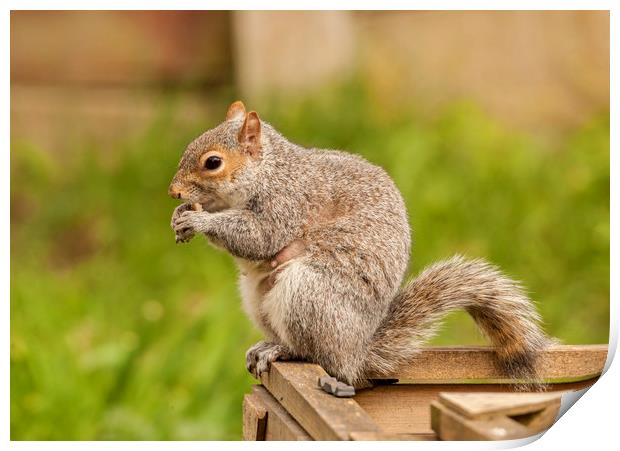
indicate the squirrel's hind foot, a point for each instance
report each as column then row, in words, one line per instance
column 259, row 357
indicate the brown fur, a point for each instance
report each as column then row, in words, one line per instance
column 496, row 303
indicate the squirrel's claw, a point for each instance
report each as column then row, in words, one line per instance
column 183, row 236
column 259, row 357
column 178, row 211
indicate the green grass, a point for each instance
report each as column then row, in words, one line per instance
column 117, row 333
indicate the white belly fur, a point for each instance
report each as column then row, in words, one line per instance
column 275, row 304
column 249, row 279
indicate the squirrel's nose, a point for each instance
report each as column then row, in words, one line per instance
column 174, row 191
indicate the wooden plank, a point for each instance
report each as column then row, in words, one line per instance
column 404, row 408
column 460, row 364
column 493, row 416
column 451, row 426
column 254, row 418
column 385, row 436
column 280, row 425
column 477, row 406
column 543, row 420
column 295, row 386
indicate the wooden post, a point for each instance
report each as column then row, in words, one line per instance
column 254, row 418
column 291, row 51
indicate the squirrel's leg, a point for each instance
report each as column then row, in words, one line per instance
column 242, row 232
column 259, row 357
column 321, row 315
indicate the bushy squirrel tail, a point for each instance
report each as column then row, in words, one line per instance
column 498, row 305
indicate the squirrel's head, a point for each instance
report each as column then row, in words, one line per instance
column 217, row 166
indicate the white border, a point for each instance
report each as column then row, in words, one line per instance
column 591, row 424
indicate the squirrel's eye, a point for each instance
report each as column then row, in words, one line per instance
column 213, row 162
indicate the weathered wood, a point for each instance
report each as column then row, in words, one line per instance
column 475, row 405
column 493, row 416
column 385, row 436
column 254, row 418
column 543, row 420
column 402, row 411
column 405, row 408
column 467, row 365
column 295, row 386
column 280, row 425
column 451, row 426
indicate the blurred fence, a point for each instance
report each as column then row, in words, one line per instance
column 535, row 70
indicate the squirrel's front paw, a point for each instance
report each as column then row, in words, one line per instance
column 185, row 235
column 188, row 223
column 259, row 357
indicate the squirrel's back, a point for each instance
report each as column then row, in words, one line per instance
column 356, row 218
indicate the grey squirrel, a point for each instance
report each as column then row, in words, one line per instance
column 322, row 241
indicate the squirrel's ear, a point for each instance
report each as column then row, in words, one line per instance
column 235, row 111
column 249, row 135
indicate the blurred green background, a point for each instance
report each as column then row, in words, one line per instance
column 118, row 333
